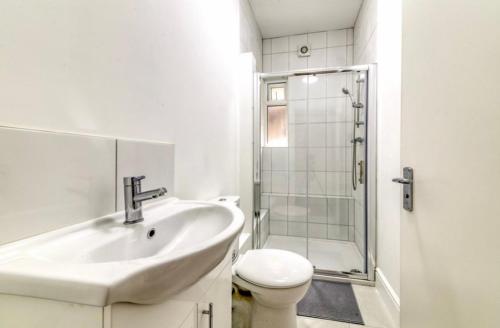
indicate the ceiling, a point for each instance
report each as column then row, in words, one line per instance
column 285, row 17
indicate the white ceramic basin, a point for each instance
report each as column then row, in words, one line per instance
column 103, row 261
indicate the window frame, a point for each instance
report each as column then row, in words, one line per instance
column 275, row 103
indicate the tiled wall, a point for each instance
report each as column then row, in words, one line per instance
column 328, row 49
column 306, row 186
column 51, row 180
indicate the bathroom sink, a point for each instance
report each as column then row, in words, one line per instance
column 103, row 261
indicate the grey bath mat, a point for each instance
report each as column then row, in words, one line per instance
column 331, row 301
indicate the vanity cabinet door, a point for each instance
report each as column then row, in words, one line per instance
column 172, row 314
column 191, row 320
column 219, row 295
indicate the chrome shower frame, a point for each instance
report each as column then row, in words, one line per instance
column 370, row 191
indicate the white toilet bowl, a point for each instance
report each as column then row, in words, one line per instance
column 277, row 280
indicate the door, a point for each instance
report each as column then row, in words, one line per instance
column 450, row 243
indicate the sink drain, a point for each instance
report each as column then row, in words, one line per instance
column 151, row 233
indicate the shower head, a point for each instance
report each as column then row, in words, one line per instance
column 353, row 103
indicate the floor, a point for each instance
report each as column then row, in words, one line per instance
column 373, row 310
column 324, row 254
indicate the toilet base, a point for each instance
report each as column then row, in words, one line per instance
column 271, row 317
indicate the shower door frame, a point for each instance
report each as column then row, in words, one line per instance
column 370, row 192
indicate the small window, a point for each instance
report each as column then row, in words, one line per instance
column 277, row 126
column 276, row 115
column 276, row 92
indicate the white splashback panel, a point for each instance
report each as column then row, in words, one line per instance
column 155, row 160
column 52, row 180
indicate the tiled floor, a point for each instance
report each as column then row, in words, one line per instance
column 373, row 310
column 324, row 254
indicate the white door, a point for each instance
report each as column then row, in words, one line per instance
column 450, row 243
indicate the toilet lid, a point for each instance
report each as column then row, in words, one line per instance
column 274, row 268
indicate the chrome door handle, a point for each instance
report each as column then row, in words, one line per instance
column 210, row 313
column 402, row 180
column 407, row 182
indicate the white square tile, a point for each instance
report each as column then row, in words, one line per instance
column 155, row 160
column 334, row 84
column 264, row 201
column 52, row 180
column 295, row 62
column 336, row 135
column 338, row 211
column 351, row 233
column 338, row 232
column 279, row 62
column 297, row 183
column 336, row 159
column 317, row 40
column 336, row 56
column 317, row 58
column 373, row 309
column 336, row 109
column 297, row 111
column 316, row 230
column 278, row 208
column 336, row 38
column 297, row 159
column 336, row 183
column 351, row 212
column 266, row 46
column 297, row 88
column 297, row 135
column 279, row 45
column 266, row 158
column 297, row 41
column 279, row 159
column 266, row 63
column 317, row 183
column 278, row 228
column 316, row 110
column 297, row 229
column 317, row 159
column 297, row 209
column 317, row 210
column 266, row 181
column 348, row 158
column 317, row 135
column 348, row 137
column 279, row 182
column 317, row 86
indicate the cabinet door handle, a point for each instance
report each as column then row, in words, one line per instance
column 210, row 313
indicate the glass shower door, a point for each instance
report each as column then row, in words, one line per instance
column 313, row 186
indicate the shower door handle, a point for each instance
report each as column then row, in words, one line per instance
column 407, row 182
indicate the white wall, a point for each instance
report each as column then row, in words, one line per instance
column 250, row 35
column 377, row 39
column 147, row 70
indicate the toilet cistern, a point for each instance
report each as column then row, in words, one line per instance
column 134, row 198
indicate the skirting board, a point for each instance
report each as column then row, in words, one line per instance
column 389, row 296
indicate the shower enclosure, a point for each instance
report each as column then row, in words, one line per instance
column 315, row 182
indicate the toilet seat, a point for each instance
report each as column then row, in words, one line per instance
column 274, row 268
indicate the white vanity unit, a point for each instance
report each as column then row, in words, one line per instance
column 171, row 270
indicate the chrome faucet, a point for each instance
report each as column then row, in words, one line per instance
column 134, row 198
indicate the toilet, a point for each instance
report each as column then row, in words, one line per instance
column 277, row 280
